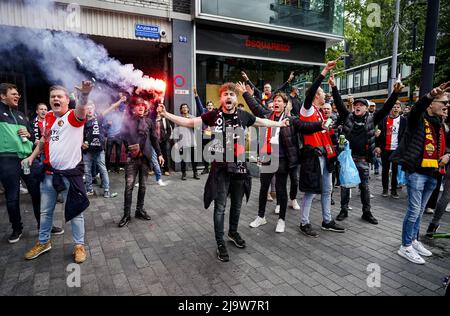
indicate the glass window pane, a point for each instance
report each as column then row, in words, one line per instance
column 314, row 15
column 338, row 83
column 350, row 81
column 365, row 77
column 344, row 82
column 357, row 80
column 406, row 70
column 383, row 73
column 373, row 74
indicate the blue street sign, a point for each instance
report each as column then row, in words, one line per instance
column 147, row 31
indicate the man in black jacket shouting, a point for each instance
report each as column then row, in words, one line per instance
column 359, row 130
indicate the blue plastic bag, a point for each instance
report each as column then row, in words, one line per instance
column 348, row 174
column 401, row 177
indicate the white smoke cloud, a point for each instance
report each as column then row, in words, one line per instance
column 66, row 58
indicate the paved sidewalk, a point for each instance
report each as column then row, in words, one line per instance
column 174, row 253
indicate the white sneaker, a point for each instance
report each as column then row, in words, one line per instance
column 448, row 208
column 280, row 226
column 429, row 210
column 294, row 204
column 137, row 184
column 162, row 183
column 23, row 190
column 420, row 249
column 258, row 222
column 269, row 197
column 372, row 196
column 277, row 209
column 410, row 254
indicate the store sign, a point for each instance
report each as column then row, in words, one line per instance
column 260, row 45
column 267, row 45
column 147, row 31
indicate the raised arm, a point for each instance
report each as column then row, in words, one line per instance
column 286, row 85
column 200, row 108
column 342, row 110
column 84, row 90
column 257, row 92
column 424, row 103
column 182, row 121
column 311, row 92
column 257, row 109
column 379, row 115
column 114, row 106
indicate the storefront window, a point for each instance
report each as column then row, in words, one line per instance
column 324, row 16
column 213, row 71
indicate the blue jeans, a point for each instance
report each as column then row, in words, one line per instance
column 325, row 197
column 156, row 166
column 48, row 203
column 99, row 159
column 420, row 188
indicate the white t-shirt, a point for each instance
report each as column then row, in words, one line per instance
column 63, row 140
column 392, row 129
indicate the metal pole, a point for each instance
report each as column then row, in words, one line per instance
column 395, row 47
column 429, row 49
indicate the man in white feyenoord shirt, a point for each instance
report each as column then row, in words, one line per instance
column 61, row 143
column 391, row 129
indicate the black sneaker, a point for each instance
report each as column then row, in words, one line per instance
column 432, row 228
column 142, row 215
column 368, row 217
column 342, row 215
column 125, row 220
column 205, row 171
column 57, row 231
column 394, row 195
column 15, row 236
column 236, row 239
column 196, row 177
column 183, row 176
column 222, row 253
column 332, row 226
column 385, row 193
column 308, row 231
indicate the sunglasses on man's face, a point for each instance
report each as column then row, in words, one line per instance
column 443, row 102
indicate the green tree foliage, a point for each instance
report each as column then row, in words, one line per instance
column 368, row 43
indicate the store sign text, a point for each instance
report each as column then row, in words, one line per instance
column 268, row 45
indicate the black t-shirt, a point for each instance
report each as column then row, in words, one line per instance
column 224, row 123
column 209, row 118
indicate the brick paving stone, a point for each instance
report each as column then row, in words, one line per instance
column 175, row 252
